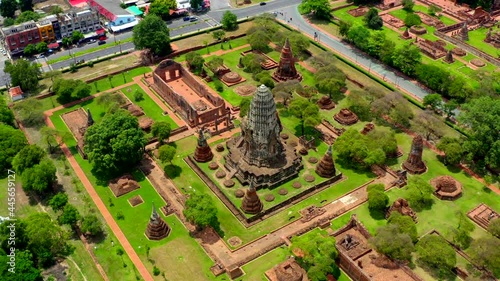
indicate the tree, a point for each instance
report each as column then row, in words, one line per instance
column 115, row 144
column 245, row 106
column 434, row 101
column 8, row 8
column 56, row 10
column 435, row 254
column 46, row 239
column 412, row 19
column 201, row 211
column 408, row 5
column 91, row 225
column 229, row 21
column 373, row 20
column 50, row 136
column 195, row 4
column 435, row 77
column 166, row 153
column 251, row 62
column 321, row 9
column 452, row 148
column 195, row 62
column 69, row 216
column 6, row 115
column 30, row 50
column 40, row 177
column 461, row 233
column 24, row 74
column 419, row 194
column 481, row 115
column 215, row 64
column 152, row 33
column 285, row 90
column 161, row 130
column 433, row 10
column 306, row 111
column 330, row 80
column 389, row 241
column 11, row 142
column 449, row 108
column 377, row 201
column 76, row 36
column 405, row 224
column 58, row 201
column 30, row 112
column 344, row 28
column 484, row 251
column 359, row 36
column 218, row 34
column 27, row 16
column 27, row 157
column 384, row 139
column 407, row 58
column 25, row 5
column 42, row 47
column 428, row 125
column 161, row 8
column 362, row 150
column 8, row 21
column 25, row 269
column 319, row 254
column 68, row 90
column 494, row 227
column 259, row 40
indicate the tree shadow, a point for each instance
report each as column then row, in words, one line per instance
column 98, row 238
column 173, row 171
column 377, row 214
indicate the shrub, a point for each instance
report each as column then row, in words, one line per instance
column 138, row 96
column 218, row 85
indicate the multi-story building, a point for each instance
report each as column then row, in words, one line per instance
column 17, row 37
column 46, row 30
column 55, row 25
column 118, row 18
column 84, row 21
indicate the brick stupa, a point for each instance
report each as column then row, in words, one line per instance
column 251, row 202
column 286, row 68
column 157, row 228
column 346, row 117
column 414, row 163
column 326, row 167
column 203, row 153
column 401, row 206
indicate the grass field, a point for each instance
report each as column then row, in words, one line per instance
column 118, row 80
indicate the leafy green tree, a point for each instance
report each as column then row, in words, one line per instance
column 161, row 8
column 47, row 240
column 58, row 201
column 166, row 153
column 30, row 50
column 375, row 187
column 412, row 19
column 11, row 142
column 321, row 9
column 27, row 16
column 452, row 148
column 344, row 28
column 229, row 21
column 405, row 224
column 22, row 239
column 25, row 5
column 24, row 74
column 195, row 62
column 434, row 101
column 30, row 112
column 377, row 201
column 449, row 108
column 215, row 64
column 481, row 116
column 56, row 10
column 373, row 20
column 251, row 62
column 201, row 211
column 359, row 150
column 259, row 40
column 8, row 8
column 40, row 177
column 408, row 5
column 359, row 103
column 68, row 90
column 407, row 58
column 195, row 4
column 76, row 36
column 91, row 225
column 306, row 111
column 435, row 77
column 115, row 144
column 319, row 254
column 436, row 255
column 69, row 216
column 42, row 47
column 390, row 241
column 384, row 139
column 25, row 269
column 359, row 36
column 494, row 227
column 298, row 41
column 285, row 90
column 218, row 34
column 428, row 125
column 461, row 233
column 152, row 33
column 433, row 10
column 484, row 251
column 161, row 130
column 27, row 157
column 244, row 106
column 8, row 21
column 419, row 194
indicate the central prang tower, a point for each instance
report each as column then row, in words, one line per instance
column 259, row 153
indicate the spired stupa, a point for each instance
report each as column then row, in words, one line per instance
column 203, row 153
column 251, row 202
column 286, row 68
column 326, row 167
column 414, row 163
column 258, row 152
column 157, row 228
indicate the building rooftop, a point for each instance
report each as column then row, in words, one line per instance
column 113, row 6
column 15, row 91
column 20, row 27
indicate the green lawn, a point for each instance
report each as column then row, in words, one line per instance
column 476, row 39
column 401, row 14
column 118, row 80
column 214, row 48
column 151, row 109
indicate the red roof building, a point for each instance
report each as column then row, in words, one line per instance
column 16, row 93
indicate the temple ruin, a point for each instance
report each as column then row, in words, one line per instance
column 258, row 152
column 432, row 49
column 346, row 117
column 401, row 206
column 326, row 168
column 157, row 228
column 203, row 153
column 493, row 38
column 197, row 104
column 326, row 103
column 78, row 121
column 251, row 203
column 286, row 68
column 483, row 215
column 288, row 270
column 447, row 188
column 123, row 185
column 449, row 57
column 414, row 163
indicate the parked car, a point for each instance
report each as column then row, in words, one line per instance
column 186, row 18
column 263, row 3
column 102, row 42
column 92, row 41
column 80, row 61
column 193, row 19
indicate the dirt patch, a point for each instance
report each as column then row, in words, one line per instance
column 477, row 62
column 234, row 241
column 245, row 90
column 136, row 200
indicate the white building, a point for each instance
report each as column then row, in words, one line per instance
column 84, row 21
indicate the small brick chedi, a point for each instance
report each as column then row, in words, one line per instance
column 447, row 188
column 286, row 68
column 288, row 270
column 251, row 202
column 258, row 153
column 401, row 206
column 346, row 117
column 326, row 167
column 414, row 163
column 157, row 228
column 203, row 153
